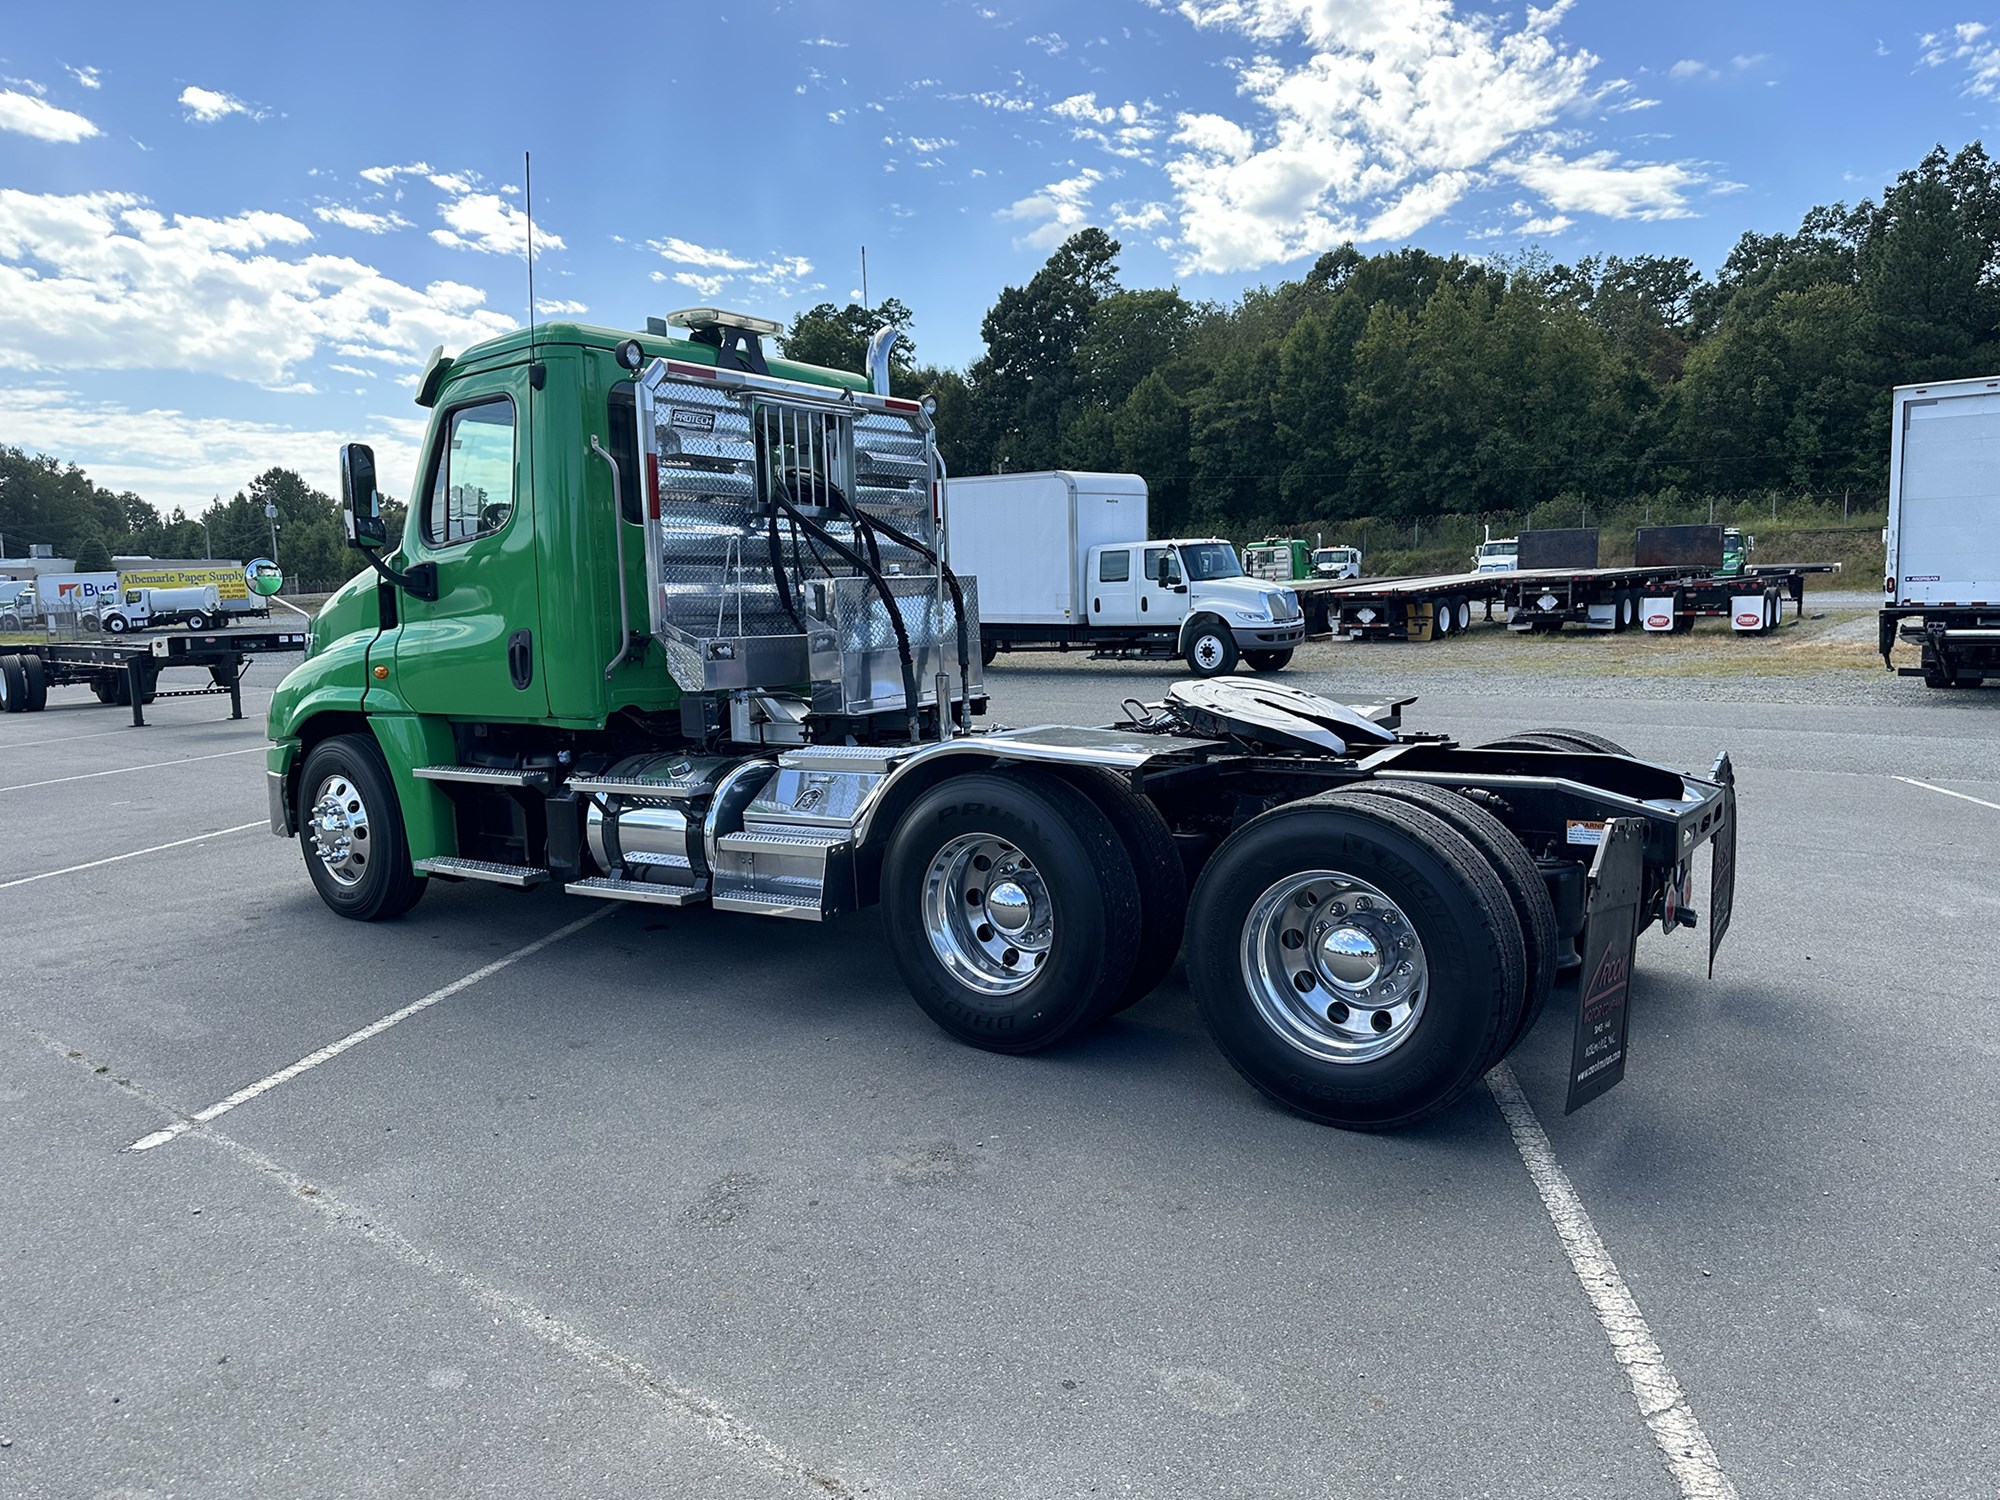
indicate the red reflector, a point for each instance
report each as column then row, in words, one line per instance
column 1889, row 587
column 653, row 486
column 899, row 403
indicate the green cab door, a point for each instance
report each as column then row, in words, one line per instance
column 475, row 651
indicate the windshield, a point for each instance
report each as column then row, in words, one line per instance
column 1206, row 560
column 1498, row 549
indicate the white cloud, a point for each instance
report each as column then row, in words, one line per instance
column 390, row 174
column 1126, row 130
column 1551, row 224
column 170, row 458
column 489, row 223
column 559, row 307
column 705, row 286
column 1690, row 67
column 822, row 41
column 88, row 77
column 1602, row 184
column 686, row 252
column 360, row 218
column 1377, row 117
column 105, row 281
column 1630, row 105
column 1970, row 44
column 1056, row 212
column 206, row 106
column 27, row 114
column 1138, row 216
column 1051, row 43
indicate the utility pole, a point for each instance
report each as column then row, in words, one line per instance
column 271, row 515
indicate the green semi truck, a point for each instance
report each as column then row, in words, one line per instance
column 667, row 623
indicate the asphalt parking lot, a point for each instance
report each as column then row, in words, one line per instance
column 686, row 1203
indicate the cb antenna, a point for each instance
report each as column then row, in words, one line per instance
column 528, row 191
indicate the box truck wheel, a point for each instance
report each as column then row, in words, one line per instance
column 1356, row 959
column 36, row 677
column 1011, row 907
column 13, row 685
column 1268, row 661
column 1156, row 866
column 199, row 621
column 116, row 624
column 1526, row 891
column 351, row 830
column 987, row 651
column 1211, row 649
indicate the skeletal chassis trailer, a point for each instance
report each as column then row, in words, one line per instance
column 128, row 674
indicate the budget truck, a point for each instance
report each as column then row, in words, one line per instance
column 1063, row 565
column 677, row 623
column 1941, row 577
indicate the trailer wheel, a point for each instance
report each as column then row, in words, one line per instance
column 1356, row 959
column 1211, row 649
column 1156, row 865
column 1268, row 661
column 351, row 831
column 102, row 688
column 1441, row 620
column 1012, row 909
column 36, row 678
column 1526, row 891
column 13, row 685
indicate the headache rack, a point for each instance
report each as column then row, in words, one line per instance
column 793, row 539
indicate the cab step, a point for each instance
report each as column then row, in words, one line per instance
column 453, row 868
column 482, row 775
column 610, row 888
column 771, row 904
column 659, row 791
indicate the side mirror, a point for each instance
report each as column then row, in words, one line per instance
column 360, row 504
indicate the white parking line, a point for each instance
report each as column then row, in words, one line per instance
column 8, row 885
column 1690, row 1460
column 355, row 1038
column 1946, row 791
column 185, row 760
column 69, row 739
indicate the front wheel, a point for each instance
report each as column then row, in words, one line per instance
column 1355, row 959
column 1211, row 649
column 115, row 624
column 1268, row 661
column 351, row 830
column 1012, row 909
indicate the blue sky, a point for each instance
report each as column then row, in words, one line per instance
column 230, row 234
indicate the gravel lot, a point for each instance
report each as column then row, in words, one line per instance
column 688, row 1204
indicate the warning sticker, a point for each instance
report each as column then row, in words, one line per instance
column 1581, row 832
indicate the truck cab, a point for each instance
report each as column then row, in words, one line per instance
column 1496, row 555
column 1195, row 585
column 1336, row 562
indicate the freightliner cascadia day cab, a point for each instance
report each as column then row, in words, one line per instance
column 1941, row 580
column 667, row 624
column 1063, row 564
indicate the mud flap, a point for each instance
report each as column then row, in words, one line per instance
column 1604, row 984
column 1722, row 861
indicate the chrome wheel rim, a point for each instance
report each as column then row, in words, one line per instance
column 1334, row 967
column 337, row 830
column 1208, row 652
column 988, row 914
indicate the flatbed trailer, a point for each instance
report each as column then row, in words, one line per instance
column 127, row 672
column 1753, row 601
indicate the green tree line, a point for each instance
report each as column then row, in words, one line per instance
column 1406, row 384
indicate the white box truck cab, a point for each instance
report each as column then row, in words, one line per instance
column 1063, row 564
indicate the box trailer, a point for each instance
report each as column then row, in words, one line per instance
column 1941, row 574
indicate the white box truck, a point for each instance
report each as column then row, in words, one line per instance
column 1941, row 577
column 1064, row 563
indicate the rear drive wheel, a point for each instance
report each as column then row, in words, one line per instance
column 1156, row 866
column 1558, row 739
column 1268, row 661
column 1356, row 959
column 1211, row 649
column 1012, row 909
column 13, row 685
column 36, row 678
column 1526, row 891
column 351, row 831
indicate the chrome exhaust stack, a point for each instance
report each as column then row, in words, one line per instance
column 880, row 342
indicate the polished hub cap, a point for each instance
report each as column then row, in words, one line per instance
column 988, row 914
column 1208, row 651
column 337, row 830
column 1334, row 967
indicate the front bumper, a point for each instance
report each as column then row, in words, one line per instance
column 1276, row 637
column 277, row 779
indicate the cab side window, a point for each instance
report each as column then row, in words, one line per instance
column 1114, row 567
column 472, row 474
column 1156, row 558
